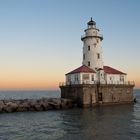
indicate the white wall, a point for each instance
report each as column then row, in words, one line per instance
column 87, row 78
column 94, row 49
column 101, row 77
column 79, row 78
column 73, row 78
column 115, row 79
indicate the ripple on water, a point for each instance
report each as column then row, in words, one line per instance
column 103, row 123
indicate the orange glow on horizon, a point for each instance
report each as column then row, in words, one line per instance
column 30, row 82
column 39, row 85
column 137, row 84
column 40, row 81
column 30, row 85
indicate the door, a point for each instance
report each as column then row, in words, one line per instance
column 100, row 98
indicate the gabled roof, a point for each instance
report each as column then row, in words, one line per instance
column 81, row 69
column 110, row 70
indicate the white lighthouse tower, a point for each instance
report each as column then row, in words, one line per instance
column 92, row 50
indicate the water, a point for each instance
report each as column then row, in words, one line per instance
column 29, row 94
column 121, row 122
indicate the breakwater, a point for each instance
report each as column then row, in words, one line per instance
column 42, row 104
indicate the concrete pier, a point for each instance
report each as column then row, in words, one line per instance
column 43, row 104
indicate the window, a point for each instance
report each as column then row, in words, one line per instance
column 98, row 56
column 85, row 76
column 92, row 78
column 69, row 78
column 83, row 56
column 94, row 44
column 88, row 48
column 76, row 77
column 97, row 41
column 121, row 78
column 88, row 63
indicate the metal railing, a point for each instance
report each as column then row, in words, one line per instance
column 95, row 82
column 98, row 35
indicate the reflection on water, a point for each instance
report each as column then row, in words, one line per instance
column 100, row 123
column 120, row 122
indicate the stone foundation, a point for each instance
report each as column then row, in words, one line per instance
column 86, row 95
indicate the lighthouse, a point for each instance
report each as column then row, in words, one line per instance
column 92, row 50
column 94, row 83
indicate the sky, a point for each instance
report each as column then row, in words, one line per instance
column 40, row 40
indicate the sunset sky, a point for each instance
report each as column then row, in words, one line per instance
column 40, row 39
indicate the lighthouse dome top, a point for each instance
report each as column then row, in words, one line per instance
column 91, row 22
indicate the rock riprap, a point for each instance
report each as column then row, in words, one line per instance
column 43, row 104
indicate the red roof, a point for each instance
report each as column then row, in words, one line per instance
column 110, row 70
column 82, row 69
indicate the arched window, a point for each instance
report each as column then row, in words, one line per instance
column 88, row 48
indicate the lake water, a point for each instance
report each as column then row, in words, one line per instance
column 118, row 122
